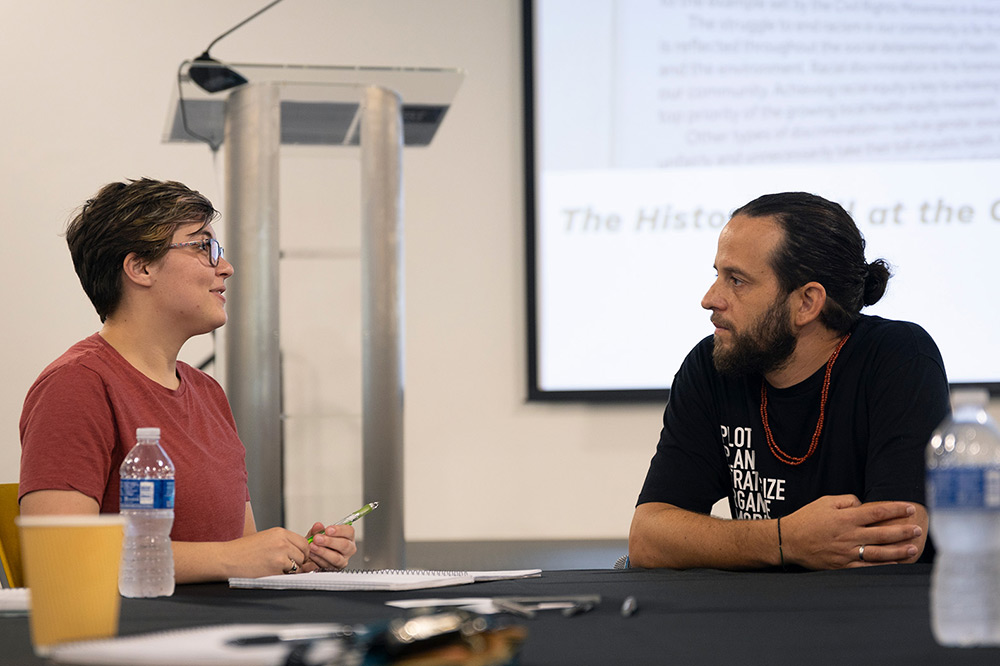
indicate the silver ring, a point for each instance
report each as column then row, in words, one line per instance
column 295, row 567
column 861, row 553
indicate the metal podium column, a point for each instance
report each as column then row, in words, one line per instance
column 382, row 325
column 252, row 138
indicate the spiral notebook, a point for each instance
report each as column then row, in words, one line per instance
column 384, row 580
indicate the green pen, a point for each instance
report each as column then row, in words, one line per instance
column 357, row 515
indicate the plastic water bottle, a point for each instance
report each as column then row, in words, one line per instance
column 963, row 494
column 147, row 502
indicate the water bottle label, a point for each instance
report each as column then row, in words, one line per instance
column 146, row 494
column 965, row 488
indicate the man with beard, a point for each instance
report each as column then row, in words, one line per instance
column 810, row 417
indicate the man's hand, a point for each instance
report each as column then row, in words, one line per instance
column 828, row 533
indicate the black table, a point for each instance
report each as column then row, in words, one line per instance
column 876, row 615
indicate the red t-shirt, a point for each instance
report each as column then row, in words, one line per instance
column 79, row 421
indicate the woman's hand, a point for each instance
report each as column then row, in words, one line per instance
column 266, row 553
column 331, row 547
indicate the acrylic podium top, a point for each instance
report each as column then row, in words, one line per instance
column 320, row 105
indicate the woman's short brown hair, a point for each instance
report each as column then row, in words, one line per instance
column 136, row 216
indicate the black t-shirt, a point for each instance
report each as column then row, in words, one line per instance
column 888, row 391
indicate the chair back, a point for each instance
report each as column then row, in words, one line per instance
column 10, row 539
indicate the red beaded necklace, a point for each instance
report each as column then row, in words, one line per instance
column 778, row 453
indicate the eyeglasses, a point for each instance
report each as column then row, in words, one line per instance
column 211, row 245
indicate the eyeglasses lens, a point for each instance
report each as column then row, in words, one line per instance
column 214, row 251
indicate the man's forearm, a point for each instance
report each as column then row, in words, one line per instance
column 663, row 535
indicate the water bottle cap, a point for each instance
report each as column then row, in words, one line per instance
column 147, row 433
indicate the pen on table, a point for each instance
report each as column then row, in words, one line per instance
column 357, row 515
column 291, row 637
column 630, row 606
column 513, row 607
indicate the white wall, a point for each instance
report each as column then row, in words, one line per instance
column 86, row 86
column 85, row 90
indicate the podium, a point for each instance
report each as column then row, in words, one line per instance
column 379, row 110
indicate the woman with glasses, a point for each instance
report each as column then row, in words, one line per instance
column 147, row 256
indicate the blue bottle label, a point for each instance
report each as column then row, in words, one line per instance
column 964, row 488
column 146, row 494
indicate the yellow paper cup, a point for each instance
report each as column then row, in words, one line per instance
column 71, row 567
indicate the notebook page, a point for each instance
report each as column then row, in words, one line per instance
column 387, row 580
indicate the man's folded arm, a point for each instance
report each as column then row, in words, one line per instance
column 664, row 535
column 827, row 533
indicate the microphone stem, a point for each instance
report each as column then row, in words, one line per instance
column 242, row 23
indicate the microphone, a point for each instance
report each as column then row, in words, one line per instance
column 210, row 74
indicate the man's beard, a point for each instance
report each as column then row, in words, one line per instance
column 765, row 347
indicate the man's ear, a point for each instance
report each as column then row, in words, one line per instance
column 809, row 301
column 136, row 270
